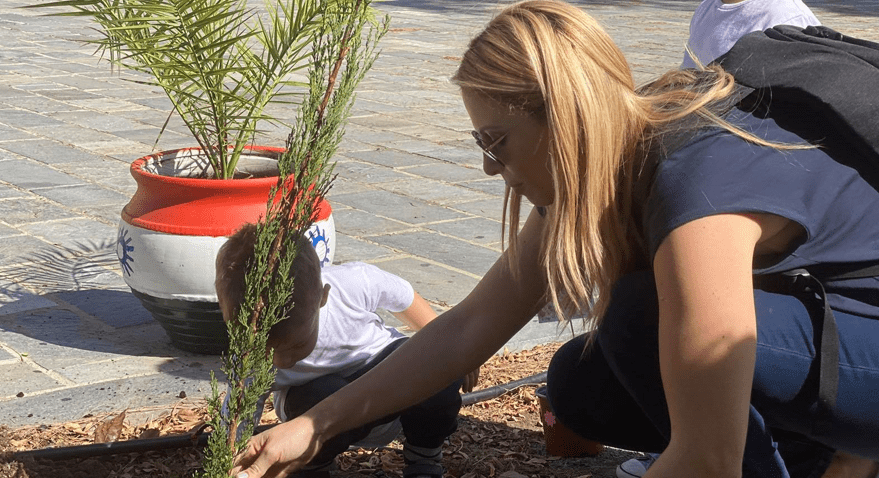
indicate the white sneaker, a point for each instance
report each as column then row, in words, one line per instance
column 636, row 467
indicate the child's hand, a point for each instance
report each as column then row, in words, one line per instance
column 470, row 381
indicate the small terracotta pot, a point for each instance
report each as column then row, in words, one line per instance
column 560, row 440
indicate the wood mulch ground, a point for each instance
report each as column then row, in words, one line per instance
column 501, row 437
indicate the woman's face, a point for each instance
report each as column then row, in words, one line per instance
column 520, row 144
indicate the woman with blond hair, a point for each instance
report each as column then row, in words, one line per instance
column 655, row 207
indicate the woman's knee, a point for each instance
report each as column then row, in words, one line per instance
column 631, row 321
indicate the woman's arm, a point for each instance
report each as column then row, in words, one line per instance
column 447, row 348
column 419, row 314
column 707, row 343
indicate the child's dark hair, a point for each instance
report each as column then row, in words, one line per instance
column 233, row 259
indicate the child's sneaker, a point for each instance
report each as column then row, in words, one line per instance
column 422, row 462
column 423, row 469
column 636, row 467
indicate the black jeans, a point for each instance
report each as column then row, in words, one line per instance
column 613, row 393
column 426, row 424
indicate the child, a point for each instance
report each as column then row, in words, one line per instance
column 718, row 24
column 331, row 337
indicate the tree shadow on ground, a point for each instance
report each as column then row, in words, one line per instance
column 71, row 303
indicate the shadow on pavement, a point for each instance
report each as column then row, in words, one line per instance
column 65, row 307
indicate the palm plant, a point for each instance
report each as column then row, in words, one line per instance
column 220, row 62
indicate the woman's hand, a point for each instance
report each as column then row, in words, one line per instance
column 278, row 451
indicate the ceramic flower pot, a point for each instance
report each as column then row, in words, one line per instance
column 175, row 223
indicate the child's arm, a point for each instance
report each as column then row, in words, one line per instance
column 417, row 316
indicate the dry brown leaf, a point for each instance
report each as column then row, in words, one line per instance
column 512, row 474
column 110, row 429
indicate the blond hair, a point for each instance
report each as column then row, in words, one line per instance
column 552, row 60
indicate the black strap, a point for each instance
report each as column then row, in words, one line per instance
column 801, row 283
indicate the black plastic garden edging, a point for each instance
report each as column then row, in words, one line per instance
column 200, row 440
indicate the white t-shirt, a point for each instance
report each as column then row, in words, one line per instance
column 717, row 26
column 350, row 333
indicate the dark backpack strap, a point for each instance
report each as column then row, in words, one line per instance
column 800, row 283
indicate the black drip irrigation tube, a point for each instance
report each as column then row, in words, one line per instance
column 201, row 439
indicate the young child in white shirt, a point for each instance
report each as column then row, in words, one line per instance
column 331, row 337
column 718, row 24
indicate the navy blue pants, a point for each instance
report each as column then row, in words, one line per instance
column 425, row 425
column 613, row 392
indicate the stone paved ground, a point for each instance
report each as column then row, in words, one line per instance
column 410, row 195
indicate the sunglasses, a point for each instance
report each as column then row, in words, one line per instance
column 486, row 150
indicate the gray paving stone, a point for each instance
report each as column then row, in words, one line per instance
column 535, row 333
column 367, row 172
column 107, row 215
column 353, row 222
column 49, row 152
column 350, row 249
column 15, row 299
column 21, row 211
column 376, row 107
column 342, row 186
column 84, row 265
column 11, row 134
column 493, row 186
column 373, row 136
column 26, row 119
column 491, row 208
column 69, row 133
column 12, row 249
column 63, row 93
column 28, row 174
column 11, row 192
column 349, row 145
column 438, row 192
column 71, row 232
column 463, row 152
column 55, row 338
column 6, row 357
column 397, row 207
column 106, row 397
column 8, row 231
column 413, row 145
column 122, row 367
column 446, row 172
column 433, row 281
column 450, row 251
column 84, row 195
column 115, row 308
column 379, row 121
column 389, row 157
column 107, row 123
column 110, row 173
column 475, row 230
column 38, row 104
column 22, row 377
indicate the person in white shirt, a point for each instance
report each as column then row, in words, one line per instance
column 331, row 337
column 718, row 24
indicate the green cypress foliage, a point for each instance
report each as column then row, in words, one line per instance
column 343, row 50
